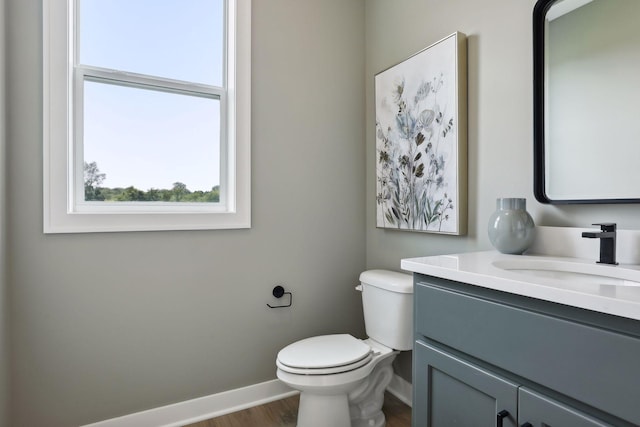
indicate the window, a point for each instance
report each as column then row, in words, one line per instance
column 146, row 115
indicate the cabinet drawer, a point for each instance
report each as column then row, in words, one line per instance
column 596, row 366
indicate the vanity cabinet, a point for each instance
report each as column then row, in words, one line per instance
column 489, row 358
column 539, row 410
column 454, row 392
column 449, row 391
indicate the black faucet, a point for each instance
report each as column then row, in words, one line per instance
column 607, row 242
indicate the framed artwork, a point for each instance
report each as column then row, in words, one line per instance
column 421, row 140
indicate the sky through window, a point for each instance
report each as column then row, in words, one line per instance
column 145, row 138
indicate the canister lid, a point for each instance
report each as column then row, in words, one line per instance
column 388, row 280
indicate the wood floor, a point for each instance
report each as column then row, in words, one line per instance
column 282, row 413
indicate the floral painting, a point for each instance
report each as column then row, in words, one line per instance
column 421, row 140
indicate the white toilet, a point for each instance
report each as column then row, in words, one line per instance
column 342, row 379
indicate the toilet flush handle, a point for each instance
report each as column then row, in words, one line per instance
column 359, row 287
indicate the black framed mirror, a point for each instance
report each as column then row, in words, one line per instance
column 586, row 57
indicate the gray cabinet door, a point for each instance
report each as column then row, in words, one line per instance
column 451, row 392
column 542, row 411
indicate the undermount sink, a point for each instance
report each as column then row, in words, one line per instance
column 587, row 273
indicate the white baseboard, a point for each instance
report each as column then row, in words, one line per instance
column 203, row 408
column 402, row 389
column 215, row 405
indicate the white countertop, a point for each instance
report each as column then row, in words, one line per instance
column 477, row 268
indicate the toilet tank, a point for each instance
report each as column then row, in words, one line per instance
column 387, row 302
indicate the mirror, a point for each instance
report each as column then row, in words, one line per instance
column 586, row 57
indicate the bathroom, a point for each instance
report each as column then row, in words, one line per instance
column 99, row 325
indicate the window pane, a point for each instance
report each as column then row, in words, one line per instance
column 164, row 145
column 176, row 39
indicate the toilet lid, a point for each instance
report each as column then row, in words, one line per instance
column 326, row 351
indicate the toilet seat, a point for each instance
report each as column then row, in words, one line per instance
column 324, row 355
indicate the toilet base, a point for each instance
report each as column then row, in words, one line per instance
column 358, row 404
column 318, row 410
column 365, row 402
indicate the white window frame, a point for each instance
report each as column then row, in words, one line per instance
column 65, row 211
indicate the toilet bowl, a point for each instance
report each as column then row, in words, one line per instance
column 341, row 378
column 342, row 395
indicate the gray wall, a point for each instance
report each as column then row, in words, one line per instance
column 104, row 325
column 4, row 318
column 108, row 324
column 499, row 108
column 500, row 120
